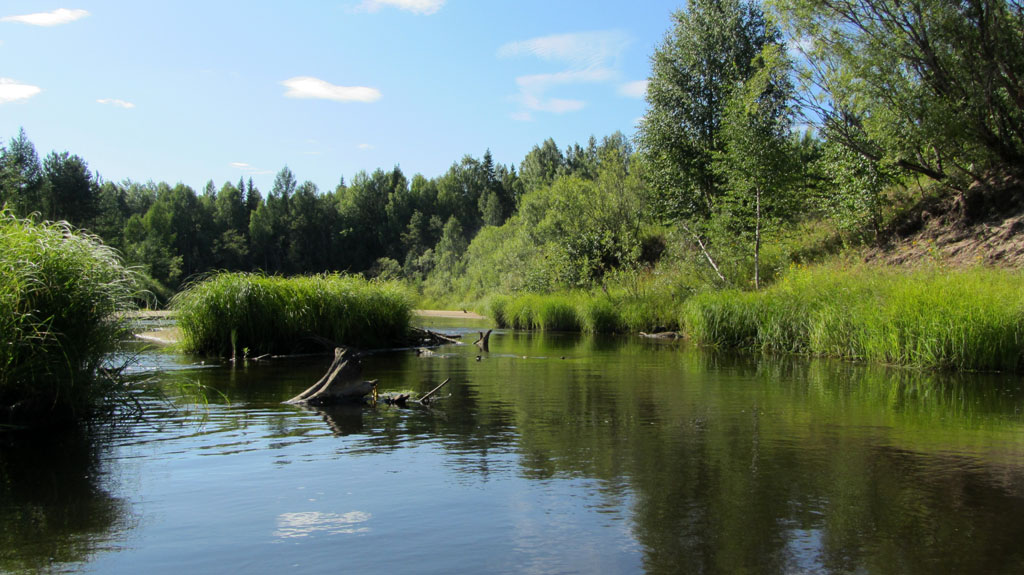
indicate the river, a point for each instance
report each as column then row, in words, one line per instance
column 551, row 454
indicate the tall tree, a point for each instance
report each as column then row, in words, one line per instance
column 541, row 166
column 22, row 182
column 694, row 72
column 71, row 191
column 758, row 161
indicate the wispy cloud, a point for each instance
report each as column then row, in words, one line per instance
column 307, row 87
column 116, row 102
column 55, row 18
column 11, row 90
column 249, row 169
column 579, row 50
column 425, row 7
column 365, row 146
column 636, row 89
column 587, row 58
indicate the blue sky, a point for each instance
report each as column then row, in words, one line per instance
column 184, row 91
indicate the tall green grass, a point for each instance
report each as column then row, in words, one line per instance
column 229, row 313
column 62, row 298
column 583, row 312
column 941, row 319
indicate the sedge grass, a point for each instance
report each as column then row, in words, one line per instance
column 63, row 295
column 226, row 313
column 940, row 319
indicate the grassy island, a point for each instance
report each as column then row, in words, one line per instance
column 242, row 313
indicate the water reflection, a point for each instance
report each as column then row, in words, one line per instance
column 557, row 452
column 55, row 509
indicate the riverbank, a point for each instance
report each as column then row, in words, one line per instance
column 171, row 335
column 931, row 318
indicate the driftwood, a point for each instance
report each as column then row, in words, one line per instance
column 339, row 385
column 342, row 385
column 428, row 337
column 484, row 342
column 661, row 335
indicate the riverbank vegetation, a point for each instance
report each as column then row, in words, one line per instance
column 63, row 298
column 244, row 314
column 825, row 132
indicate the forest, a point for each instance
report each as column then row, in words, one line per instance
column 777, row 135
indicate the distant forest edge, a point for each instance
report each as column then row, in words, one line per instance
column 821, row 126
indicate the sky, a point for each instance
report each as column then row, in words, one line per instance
column 188, row 91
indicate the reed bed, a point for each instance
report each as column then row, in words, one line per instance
column 581, row 312
column 938, row 319
column 63, row 295
column 237, row 313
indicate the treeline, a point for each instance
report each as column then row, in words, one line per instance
column 379, row 223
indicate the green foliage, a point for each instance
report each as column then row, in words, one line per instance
column 62, row 298
column 709, row 51
column 226, row 312
column 965, row 320
column 929, row 86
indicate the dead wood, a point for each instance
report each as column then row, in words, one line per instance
column 339, row 385
column 484, row 342
column 425, row 400
column 661, row 335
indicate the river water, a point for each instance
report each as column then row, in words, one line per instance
column 552, row 454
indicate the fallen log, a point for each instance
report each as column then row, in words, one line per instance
column 428, row 337
column 426, row 399
column 661, row 335
column 339, row 385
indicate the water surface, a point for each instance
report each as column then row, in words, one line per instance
column 552, row 454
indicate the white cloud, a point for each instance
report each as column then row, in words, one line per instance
column 425, row 7
column 11, row 90
column 580, row 50
column 636, row 89
column 306, row 87
column 240, row 165
column 55, row 18
column 588, row 58
column 365, row 146
column 116, row 102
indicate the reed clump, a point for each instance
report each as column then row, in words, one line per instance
column 583, row 312
column 235, row 313
column 934, row 318
column 63, row 298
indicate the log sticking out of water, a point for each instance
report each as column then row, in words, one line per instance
column 428, row 337
column 484, row 342
column 339, row 385
column 661, row 335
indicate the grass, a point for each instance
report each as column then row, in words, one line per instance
column 233, row 313
column 62, row 298
column 938, row 319
column 583, row 312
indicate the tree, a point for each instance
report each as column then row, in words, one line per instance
column 70, row 191
column 695, row 71
column 541, row 166
column 22, row 183
column 758, row 160
column 933, row 87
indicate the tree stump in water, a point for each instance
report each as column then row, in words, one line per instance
column 484, row 341
column 339, row 385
